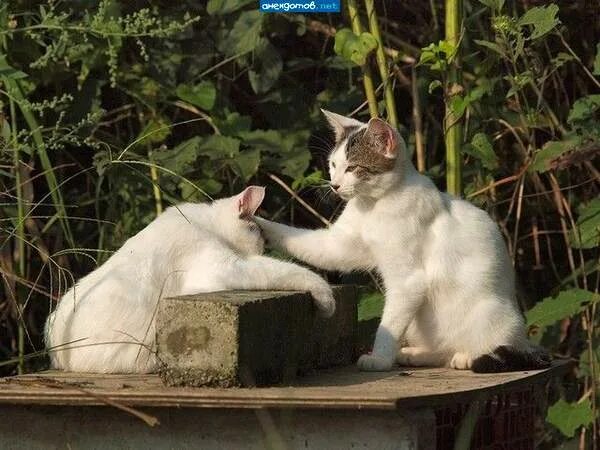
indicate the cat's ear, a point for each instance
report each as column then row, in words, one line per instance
column 250, row 199
column 386, row 139
column 340, row 124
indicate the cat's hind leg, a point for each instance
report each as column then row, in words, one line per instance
column 422, row 357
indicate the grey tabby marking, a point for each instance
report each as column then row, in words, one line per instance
column 364, row 155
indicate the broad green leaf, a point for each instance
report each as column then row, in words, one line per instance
column 221, row 7
column 247, row 163
column 355, row 48
column 596, row 69
column 219, row 147
column 550, row 151
column 588, row 225
column 481, row 148
column 266, row 69
column 569, row 417
column 180, row 158
column 584, row 108
column 245, row 34
column 295, row 164
column 370, row 306
column 202, row 95
column 543, row 19
column 565, row 304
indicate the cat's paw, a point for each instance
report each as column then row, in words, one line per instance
column 374, row 363
column 324, row 300
column 461, row 361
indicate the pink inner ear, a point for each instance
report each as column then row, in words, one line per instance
column 250, row 200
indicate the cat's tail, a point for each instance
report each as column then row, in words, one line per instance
column 506, row 358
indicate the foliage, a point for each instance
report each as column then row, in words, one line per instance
column 111, row 111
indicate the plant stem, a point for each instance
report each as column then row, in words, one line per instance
column 20, row 237
column 366, row 70
column 390, row 103
column 453, row 129
column 418, row 123
column 155, row 187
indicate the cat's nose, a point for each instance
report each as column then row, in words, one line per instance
column 335, row 187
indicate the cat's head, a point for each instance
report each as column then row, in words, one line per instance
column 236, row 220
column 365, row 156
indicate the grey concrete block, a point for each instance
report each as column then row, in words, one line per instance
column 251, row 337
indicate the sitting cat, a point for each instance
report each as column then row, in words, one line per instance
column 105, row 323
column 449, row 282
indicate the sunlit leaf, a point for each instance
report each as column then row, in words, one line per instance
column 552, row 309
column 202, row 95
column 370, row 306
column 543, row 19
column 569, row 417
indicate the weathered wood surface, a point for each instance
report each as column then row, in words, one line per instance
column 344, row 388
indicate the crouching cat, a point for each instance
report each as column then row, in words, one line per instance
column 105, row 323
column 449, row 282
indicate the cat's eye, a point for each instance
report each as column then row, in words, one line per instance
column 351, row 168
column 332, row 164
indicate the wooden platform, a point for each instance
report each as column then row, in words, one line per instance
column 345, row 388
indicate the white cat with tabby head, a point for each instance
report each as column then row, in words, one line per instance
column 449, row 282
column 105, row 323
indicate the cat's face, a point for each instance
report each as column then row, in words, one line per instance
column 238, row 225
column 364, row 157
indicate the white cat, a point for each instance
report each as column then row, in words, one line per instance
column 449, row 283
column 105, row 323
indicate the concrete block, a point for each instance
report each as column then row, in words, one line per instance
column 251, row 338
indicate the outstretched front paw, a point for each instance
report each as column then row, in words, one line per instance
column 375, row 363
column 324, row 301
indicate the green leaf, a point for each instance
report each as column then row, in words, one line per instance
column 180, row 158
column 550, row 151
column 584, row 108
column 245, row 34
column 266, row 69
column 9, row 72
column 370, row 306
column 155, row 131
column 221, row 7
column 234, row 124
column 596, row 68
column 588, row 225
column 219, row 147
column 543, row 19
column 247, row 163
column 354, row 48
column 202, row 95
column 313, row 179
column 569, row 417
column 565, row 304
column 481, row 148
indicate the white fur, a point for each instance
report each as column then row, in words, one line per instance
column 449, row 283
column 105, row 323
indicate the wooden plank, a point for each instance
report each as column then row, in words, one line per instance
column 344, row 388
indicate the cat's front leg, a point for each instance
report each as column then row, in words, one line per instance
column 337, row 248
column 403, row 299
